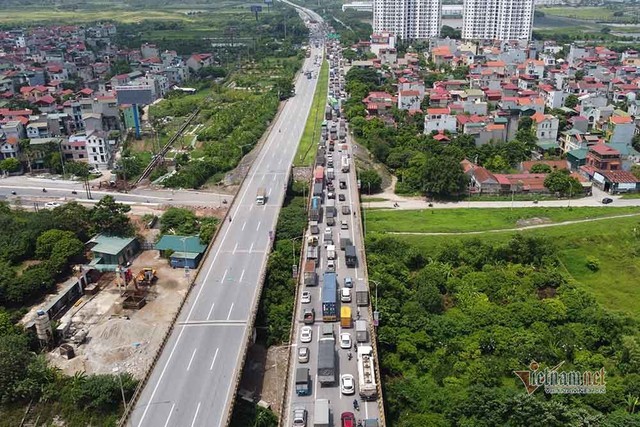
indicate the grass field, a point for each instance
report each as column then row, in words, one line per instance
column 464, row 220
column 587, row 13
column 306, row 149
column 615, row 243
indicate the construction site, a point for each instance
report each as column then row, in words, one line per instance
column 112, row 321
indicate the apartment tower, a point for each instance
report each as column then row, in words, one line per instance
column 407, row 19
column 497, row 19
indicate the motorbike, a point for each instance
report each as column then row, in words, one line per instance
column 44, row 190
column 224, row 201
column 355, row 405
column 74, row 192
column 349, row 355
column 13, row 192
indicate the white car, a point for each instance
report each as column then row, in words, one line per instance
column 345, row 340
column 345, row 295
column 306, row 334
column 306, row 297
column 51, row 205
column 303, row 354
column 331, row 266
column 347, row 384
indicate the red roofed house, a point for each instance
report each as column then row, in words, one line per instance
column 620, row 129
column 8, row 146
column 409, row 100
column 481, row 181
column 439, row 119
column 616, row 181
column 199, row 60
column 377, row 102
column 604, row 157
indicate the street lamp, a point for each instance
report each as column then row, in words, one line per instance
column 124, row 399
column 184, row 256
column 294, row 265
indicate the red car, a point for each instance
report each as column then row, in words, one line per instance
column 348, row 419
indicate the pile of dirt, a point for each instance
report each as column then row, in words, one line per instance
column 533, row 221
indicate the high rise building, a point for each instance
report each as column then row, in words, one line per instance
column 497, row 19
column 407, row 19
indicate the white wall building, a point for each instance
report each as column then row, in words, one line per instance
column 497, row 19
column 98, row 150
column 408, row 19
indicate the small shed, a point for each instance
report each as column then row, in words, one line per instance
column 185, row 250
column 113, row 250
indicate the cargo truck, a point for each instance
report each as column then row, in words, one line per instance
column 312, row 252
column 310, row 277
column 350, row 256
column 362, row 333
column 302, row 382
column 318, row 175
column 315, row 209
column 329, row 298
column 261, row 196
column 366, row 373
column 326, row 361
column 331, row 252
column 345, row 239
column 330, row 174
column 345, row 164
column 362, row 294
column 331, row 210
column 321, row 413
column 313, row 227
column 345, row 317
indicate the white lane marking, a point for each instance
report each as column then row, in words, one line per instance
column 229, row 315
column 258, row 227
column 213, row 362
column 170, row 413
column 193, row 423
column 191, row 360
column 224, row 276
column 251, row 248
column 274, row 177
column 244, row 225
column 315, row 388
column 234, row 248
column 211, row 311
column 241, row 275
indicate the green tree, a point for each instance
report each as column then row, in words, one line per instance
column 561, row 182
column 79, row 169
column 14, row 360
column 10, row 165
column 370, row 181
column 47, row 240
column 540, row 168
column 443, row 176
column 111, row 218
column 525, row 123
column 571, row 101
column 179, row 221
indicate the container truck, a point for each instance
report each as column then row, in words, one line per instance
column 321, row 413
column 330, row 209
column 366, row 373
column 310, row 277
column 345, row 317
column 312, row 252
column 314, row 211
column 317, row 189
column 318, row 175
column 362, row 333
column 350, row 256
column 326, row 361
column 345, row 239
column 330, row 174
column 329, row 298
column 302, row 382
column 362, row 294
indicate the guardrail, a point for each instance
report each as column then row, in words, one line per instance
column 155, row 159
column 136, row 394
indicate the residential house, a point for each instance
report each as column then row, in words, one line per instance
column 621, row 129
column 75, row 148
column 604, row 157
column 546, row 127
column 409, row 100
column 199, row 60
column 481, row 181
column 438, row 119
column 98, row 150
column 109, row 252
column 9, row 147
column 616, row 181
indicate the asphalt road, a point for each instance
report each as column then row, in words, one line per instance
column 339, row 403
column 195, row 378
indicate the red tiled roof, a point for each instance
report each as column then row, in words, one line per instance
column 619, row 176
column 604, row 149
column 438, row 110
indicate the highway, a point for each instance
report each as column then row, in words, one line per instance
column 339, row 403
column 195, row 378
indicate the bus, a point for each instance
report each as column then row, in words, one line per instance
column 261, row 196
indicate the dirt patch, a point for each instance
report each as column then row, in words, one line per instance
column 533, row 221
column 264, row 375
column 122, row 338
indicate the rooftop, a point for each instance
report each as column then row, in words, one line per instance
column 111, row 245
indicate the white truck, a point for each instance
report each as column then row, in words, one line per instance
column 331, row 251
column 366, row 373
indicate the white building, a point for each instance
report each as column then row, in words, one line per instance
column 497, row 19
column 439, row 119
column 408, row 19
column 98, row 150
